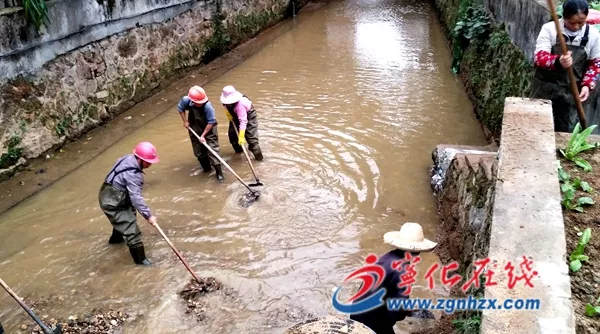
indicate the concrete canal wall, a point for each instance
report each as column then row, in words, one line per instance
column 95, row 59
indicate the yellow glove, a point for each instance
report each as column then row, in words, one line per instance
column 242, row 137
column 228, row 115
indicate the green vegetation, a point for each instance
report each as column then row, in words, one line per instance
column 591, row 310
column 36, row 12
column 569, row 187
column 14, row 153
column 577, row 257
column 467, row 325
column 491, row 67
column 577, row 144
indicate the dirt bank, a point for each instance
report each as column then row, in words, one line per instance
column 40, row 173
column 585, row 283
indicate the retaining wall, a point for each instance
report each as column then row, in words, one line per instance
column 505, row 206
column 97, row 59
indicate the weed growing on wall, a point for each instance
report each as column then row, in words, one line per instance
column 473, row 25
column 13, row 154
column 491, row 67
column 36, row 12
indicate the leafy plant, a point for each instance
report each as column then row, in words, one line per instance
column 13, row 154
column 473, row 23
column 568, row 188
column 577, row 144
column 472, row 27
column 577, row 256
column 591, row 310
column 469, row 325
column 35, row 12
column 570, row 203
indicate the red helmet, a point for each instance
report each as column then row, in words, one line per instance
column 197, row 95
column 147, row 152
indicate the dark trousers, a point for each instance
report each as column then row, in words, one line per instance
column 378, row 323
column 121, row 214
column 205, row 158
column 251, row 134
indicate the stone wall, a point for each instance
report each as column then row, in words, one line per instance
column 83, row 87
column 463, row 179
column 465, row 197
column 522, row 19
column 506, row 206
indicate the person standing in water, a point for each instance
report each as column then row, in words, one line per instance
column 120, row 196
column 242, row 115
column 201, row 119
column 551, row 81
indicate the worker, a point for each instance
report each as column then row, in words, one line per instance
column 551, row 81
column 201, row 119
column 409, row 239
column 121, row 195
column 242, row 115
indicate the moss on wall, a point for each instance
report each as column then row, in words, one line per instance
column 489, row 64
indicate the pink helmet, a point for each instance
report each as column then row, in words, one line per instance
column 147, row 152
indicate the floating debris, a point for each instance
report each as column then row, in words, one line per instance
column 193, row 292
column 98, row 321
column 195, row 289
column 249, row 198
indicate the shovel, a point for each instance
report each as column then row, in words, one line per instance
column 57, row 330
column 253, row 193
column 258, row 183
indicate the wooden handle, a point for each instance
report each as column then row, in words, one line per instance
column 572, row 79
column 187, row 266
column 27, row 309
column 246, row 153
column 221, row 160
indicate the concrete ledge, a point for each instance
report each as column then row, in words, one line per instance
column 443, row 155
column 527, row 220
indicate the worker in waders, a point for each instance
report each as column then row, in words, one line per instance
column 551, row 81
column 121, row 195
column 201, row 118
column 242, row 115
column 409, row 240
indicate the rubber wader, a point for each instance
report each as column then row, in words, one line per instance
column 251, row 132
column 117, row 206
column 197, row 120
column 554, row 85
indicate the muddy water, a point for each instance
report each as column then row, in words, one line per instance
column 351, row 98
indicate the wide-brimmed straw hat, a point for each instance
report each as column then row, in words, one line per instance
column 410, row 238
column 230, row 95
